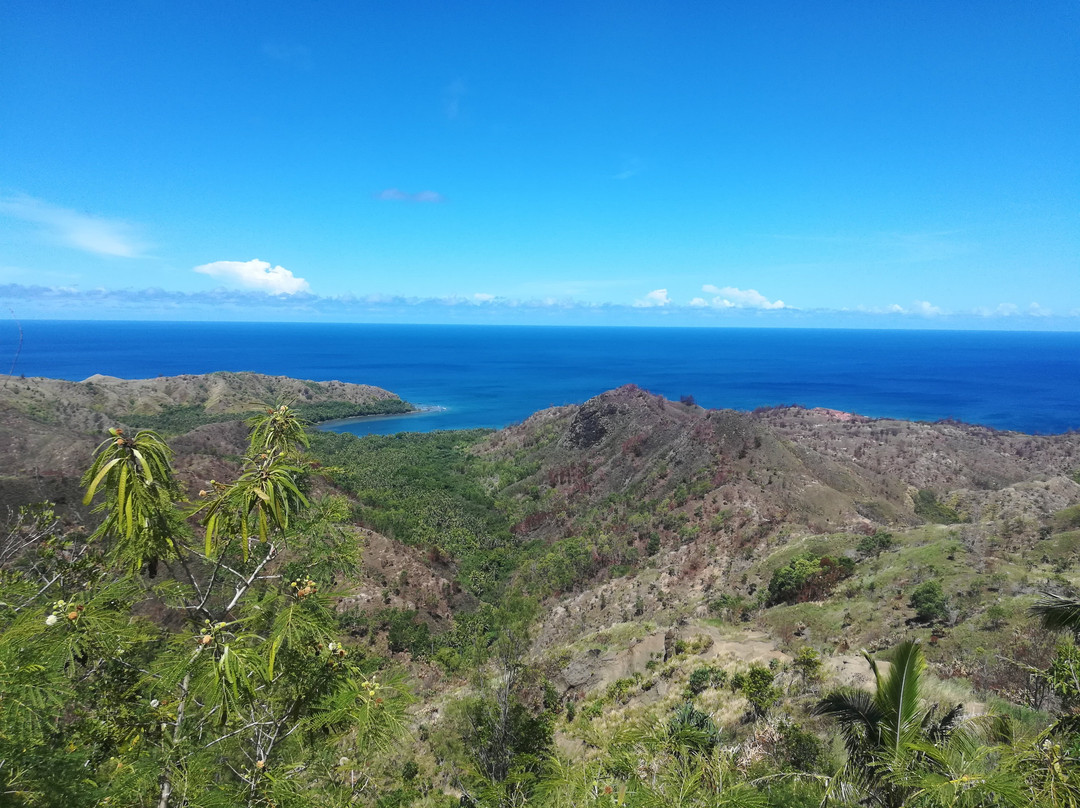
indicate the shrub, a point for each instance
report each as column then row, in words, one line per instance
column 876, row 544
column 800, row 749
column 807, row 577
column 692, row 729
column 929, row 601
column 759, row 689
column 996, row 616
column 808, row 663
column 699, row 680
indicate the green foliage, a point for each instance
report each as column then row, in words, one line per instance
column 426, row 490
column 996, row 614
column 404, row 632
column 336, row 410
column 692, row 731
column 808, row 664
column 136, row 475
column 929, row 508
column 620, row 690
column 800, row 749
column 728, row 607
column 237, row 693
column 929, row 601
column 1057, row 612
column 1067, row 519
column 1064, row 675
column 279, row 431
column 807, row 577
column 759, row 689
column 181, row 418
column 880, row 542
column 259, row 502
column 699, row 681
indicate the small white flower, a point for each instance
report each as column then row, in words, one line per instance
column 155, row 703
column 51, row 620
column 343, row 761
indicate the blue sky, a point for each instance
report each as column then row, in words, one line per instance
column 885, row 164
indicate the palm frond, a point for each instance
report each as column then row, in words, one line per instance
column 1058, row 612
column 899, row 696
column 856, row 712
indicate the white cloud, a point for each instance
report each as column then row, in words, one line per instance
column 730, row 297
column 923, row 308
column 483, row 297
column 699, row 302
column 82, row 231
column 256, row 274
column 657, row 297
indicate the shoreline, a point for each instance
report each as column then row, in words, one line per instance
column 424, row 409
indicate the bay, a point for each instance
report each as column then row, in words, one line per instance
column 491, row 376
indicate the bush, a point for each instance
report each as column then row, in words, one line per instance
column 759, row 689
column 807, row 577
column 875, row 545
column 800, row 749
column 699, row 680
column 929, row 601
column 693, row 730
column 808, row 663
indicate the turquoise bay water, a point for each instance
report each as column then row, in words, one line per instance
column 490, row 376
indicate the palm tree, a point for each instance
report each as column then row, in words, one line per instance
column 884, row 729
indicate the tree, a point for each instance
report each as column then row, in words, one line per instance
column 248, row 699
column 760, row 690
column 503, row 724
column 929, row 601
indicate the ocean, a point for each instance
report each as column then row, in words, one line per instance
column 491, row 376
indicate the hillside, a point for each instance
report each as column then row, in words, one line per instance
column 49, row 427
column 709, row 503
column 610, row 566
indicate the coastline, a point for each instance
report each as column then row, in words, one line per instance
column 341, row 425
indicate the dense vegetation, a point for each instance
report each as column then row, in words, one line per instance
column 156, row 662
column 428, row 491
column 182, row 418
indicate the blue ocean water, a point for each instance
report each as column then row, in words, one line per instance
column 491, row 376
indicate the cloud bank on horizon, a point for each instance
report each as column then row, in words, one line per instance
column 262, row 295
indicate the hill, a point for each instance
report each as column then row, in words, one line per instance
column 627, row 564
column 49, row 427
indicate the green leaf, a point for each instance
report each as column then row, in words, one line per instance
column 92, row 488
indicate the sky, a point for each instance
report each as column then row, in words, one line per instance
column 907, row 164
